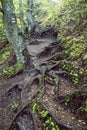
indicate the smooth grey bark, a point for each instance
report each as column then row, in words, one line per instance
column 11, row 28
column 21, row 16
column 31, row 22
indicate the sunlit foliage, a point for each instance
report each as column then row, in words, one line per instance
column 70, row 16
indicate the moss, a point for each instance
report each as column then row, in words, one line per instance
column 73, row 47
column 5, row 52
column 11, row 71
column 6, row 55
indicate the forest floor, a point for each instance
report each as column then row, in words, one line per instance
column 43, row 96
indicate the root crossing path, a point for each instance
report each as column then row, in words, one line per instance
column 37, row 99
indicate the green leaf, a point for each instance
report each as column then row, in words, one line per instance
column 53, row 128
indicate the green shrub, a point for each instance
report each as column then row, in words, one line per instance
column 72, row 71
column 73, row 47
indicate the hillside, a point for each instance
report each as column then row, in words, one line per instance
column 49, row 92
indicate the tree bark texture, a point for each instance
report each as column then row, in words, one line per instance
column 21, row 16
column 14, row 37
column 31, row 22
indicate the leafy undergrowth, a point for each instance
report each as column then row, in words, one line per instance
column 13, row 70
column 68, row 17
column 46, row 120
column 9, row 66
column 78, row 104
column 2, row 30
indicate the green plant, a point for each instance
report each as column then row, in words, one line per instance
column 19, row 66
column 85, row 58
column 44, row 113
column 53, row 128
column 35, row 107
column 10, row 71
column 75, row 76
column 2, row 31
column 67, row 100
column 72, row 71
column 5, row 53
column 50, row 124
column 14, row 106
column 84, row 108
column 47, row 128
column 74, row 47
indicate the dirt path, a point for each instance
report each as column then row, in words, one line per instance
column 45, row 52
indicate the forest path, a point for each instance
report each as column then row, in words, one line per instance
column 44, row 80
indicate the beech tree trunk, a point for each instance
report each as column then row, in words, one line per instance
column 21, row 17
column 14, row 37
column 31, row 22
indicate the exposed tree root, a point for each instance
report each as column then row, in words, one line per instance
column 10, row 128
column 76, row 93
column 20, row 126
column 61, row 125
column 42, row 87
column 27, row 105
column 47, row 70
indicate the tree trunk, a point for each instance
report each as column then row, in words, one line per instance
column 31, row 22
column 14, row 37
column 21, row 16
